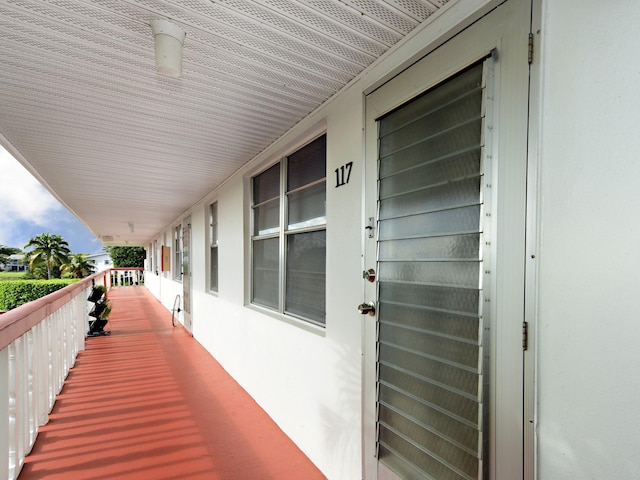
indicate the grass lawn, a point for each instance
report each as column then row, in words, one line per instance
column 11, row 275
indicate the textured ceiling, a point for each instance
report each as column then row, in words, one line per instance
column 82, row 106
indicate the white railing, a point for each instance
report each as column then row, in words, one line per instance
column 127, row 276
column 39, row 342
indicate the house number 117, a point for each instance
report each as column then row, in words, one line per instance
column 343, row 174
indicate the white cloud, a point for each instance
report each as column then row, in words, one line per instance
column 22, row 199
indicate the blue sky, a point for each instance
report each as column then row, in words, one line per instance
column 27, row 209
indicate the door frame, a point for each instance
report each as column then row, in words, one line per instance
column 505, row 31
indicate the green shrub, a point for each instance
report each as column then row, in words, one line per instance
column 127, row 256
column 16, row 292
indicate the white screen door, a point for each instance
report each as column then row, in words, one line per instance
column 446, row 177
column 186, row 273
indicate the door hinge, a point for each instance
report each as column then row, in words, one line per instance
column 525, row 336
column 530, row 49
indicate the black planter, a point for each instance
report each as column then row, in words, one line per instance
column 97, row 326
column 97, row 309
column 95, row 295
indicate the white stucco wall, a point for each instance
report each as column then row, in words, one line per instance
column 588, row 332
column 308, row 381
column 585, row 205
column 160, row 283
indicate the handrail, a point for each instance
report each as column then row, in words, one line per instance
column 39, row 343
column 17, row 322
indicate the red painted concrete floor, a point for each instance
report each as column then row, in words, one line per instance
column 148, row 402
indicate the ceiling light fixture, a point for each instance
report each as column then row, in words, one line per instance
column 168, row 39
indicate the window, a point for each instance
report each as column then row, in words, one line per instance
column 154, row 257
column 177, row 248
column 150, row 253
column 289, row 234
column 213, row 247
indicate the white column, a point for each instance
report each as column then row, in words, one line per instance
column 31, row 424
column 4, row 412
column 13, row 414
column 41, row 372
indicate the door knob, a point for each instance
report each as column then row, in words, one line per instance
column 367, row 309
column 369, row 275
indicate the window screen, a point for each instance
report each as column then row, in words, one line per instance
column 213, row 247
column 289, row 256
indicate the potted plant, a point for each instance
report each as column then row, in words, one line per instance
column 100, row 312
column 97, row 292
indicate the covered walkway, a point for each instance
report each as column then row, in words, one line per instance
column 148, row 402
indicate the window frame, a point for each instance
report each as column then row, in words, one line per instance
column 155, row 258
column 177, row 254
column 284, row 231
column 213, row 245
column 148, row 259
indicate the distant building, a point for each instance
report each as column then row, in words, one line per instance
column 15, row 263
column 102, row 261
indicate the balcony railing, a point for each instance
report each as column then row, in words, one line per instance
column 127, row 276
column 39, row 342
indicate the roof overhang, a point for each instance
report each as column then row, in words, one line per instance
column 128, row 150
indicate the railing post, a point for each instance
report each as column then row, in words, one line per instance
column 15, row 417
column 69, row 326
column 60, row 356
column 51, row 373
column 31, row 423
column 4, row 412
column 41, row 357
column 22, row 393
column 81, row 316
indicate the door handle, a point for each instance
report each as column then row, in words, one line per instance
column 367, row 309
column 369, row 275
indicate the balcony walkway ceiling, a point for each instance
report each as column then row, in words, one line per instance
column 128, row 150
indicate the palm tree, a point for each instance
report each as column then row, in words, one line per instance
column 78, row 266
column 48, row 250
